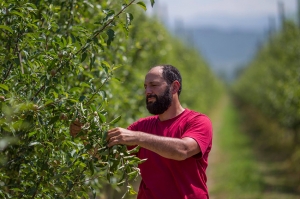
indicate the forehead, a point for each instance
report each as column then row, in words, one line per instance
column 154, row 75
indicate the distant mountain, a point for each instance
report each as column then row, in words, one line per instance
column 225, row 50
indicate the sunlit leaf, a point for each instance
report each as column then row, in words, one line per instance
column 102, row 118
column 33, row 143
column 48, row 102
column 134, row 150
column 5, row 87
column 129, row 18
column 14, row 12
column 6, row 28
column 115, row 120
column 142, row 5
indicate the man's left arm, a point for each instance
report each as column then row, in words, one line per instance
column 172, row 148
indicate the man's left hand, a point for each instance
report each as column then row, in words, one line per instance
column 121, row 136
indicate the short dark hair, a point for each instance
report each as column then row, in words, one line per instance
column 170, row 74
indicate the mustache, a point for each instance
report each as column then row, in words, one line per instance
column 149, row 96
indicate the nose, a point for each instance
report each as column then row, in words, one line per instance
column 148, row 90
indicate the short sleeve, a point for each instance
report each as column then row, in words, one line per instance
column 132, row 127
column 200, row 129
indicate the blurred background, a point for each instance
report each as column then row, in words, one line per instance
column 254, row 48
column 227, row 33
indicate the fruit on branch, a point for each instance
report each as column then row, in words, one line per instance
column 53, row 72
column 63, row 116
column 35, row 107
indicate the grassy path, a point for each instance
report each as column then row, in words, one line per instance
column 235, row 171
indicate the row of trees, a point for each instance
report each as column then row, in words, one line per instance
column 80, row 60
column 271, row 83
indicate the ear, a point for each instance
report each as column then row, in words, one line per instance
column 175, row 87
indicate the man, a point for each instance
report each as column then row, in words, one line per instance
column 175, row 141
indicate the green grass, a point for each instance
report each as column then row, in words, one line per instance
column 236, row 175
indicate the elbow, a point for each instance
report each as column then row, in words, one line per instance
column 182, row 154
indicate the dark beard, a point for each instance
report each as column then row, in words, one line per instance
column 161, row 104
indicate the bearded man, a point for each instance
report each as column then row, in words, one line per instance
column 175, row 141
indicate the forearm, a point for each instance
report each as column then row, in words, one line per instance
column 172, row 148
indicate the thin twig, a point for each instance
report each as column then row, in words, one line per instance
column 7, row 73
column 106, row 80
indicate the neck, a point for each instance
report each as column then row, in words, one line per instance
column 174, row 110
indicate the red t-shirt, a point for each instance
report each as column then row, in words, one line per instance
column 164, row 178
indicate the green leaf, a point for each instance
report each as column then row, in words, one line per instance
column 92, row 61
column 102, row 118
column 33, row 143
column 104, row 135
column 129, row 18
column 17, row 190
column 142, row 5
column 6, row 28
column 115, row 120
column 134, row 150
column 75, row 89
column 83, row 84
column 3, row 86
column 110, row 14
column 132, row 175
column 81, row 98
column 81, row 108
column 17, row 13
column 48, row 102
column 131, row 190
column 91, row 167
column 32, row 133
column 72, row 100
column 111, row 35
column 53, row 120
column 152, row 2
column 102, row 94
column 83, row 57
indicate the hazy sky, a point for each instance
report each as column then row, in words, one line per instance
column 223, row 13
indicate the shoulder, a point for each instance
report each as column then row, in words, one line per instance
column 143, row 123
column 196, row 118
column 191, row 114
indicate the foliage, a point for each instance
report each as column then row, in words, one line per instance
column 85, row 60
column 270, row 84
column 55, row 69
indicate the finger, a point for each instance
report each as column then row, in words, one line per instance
column 112, row 141
column 112, row 130
column 112, row 133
